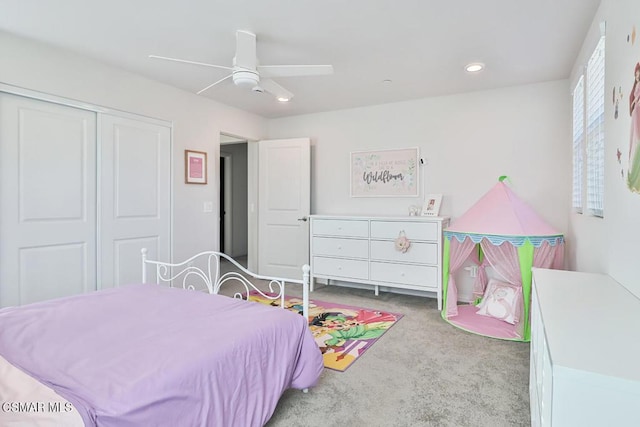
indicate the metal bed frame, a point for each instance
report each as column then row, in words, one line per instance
column 204, row 268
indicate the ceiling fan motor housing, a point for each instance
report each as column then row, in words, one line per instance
column 246, row 78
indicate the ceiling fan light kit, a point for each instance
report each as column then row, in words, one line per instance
column 245, row 72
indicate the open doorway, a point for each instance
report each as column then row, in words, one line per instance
column 234, row 212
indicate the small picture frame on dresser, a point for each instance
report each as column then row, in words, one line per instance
column 432, row 204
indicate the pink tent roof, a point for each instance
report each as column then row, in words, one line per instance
column 501, row 212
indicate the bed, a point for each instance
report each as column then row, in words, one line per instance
column 148, row 354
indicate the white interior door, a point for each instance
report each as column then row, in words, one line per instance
column 47, row 194
column 284, row 188
column 135, row 194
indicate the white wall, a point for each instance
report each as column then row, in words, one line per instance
column 469, row 140
column 197, row 121
column 610, row 244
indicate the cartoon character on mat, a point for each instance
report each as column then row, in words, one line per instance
column 335, row 328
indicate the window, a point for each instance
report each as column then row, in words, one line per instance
column 578, row 143
column 588, row 128
column 595, row 131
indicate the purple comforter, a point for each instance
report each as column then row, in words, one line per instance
column 144, row 355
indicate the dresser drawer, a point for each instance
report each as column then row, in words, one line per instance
column 423, row 253
column 347, row 268
column 339, row 227
column 413, row 230
column 334, row 246
column 416, row 275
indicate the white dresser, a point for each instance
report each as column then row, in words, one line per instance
column 585, row 351
column 363, row 250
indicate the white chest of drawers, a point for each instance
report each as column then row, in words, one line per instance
column 362, row 250
column 585, row 351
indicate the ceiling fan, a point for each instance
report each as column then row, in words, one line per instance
column 247, row 73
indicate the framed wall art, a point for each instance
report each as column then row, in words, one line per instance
column 195, row 167
column 385, row 173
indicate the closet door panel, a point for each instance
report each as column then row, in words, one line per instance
column 135, row 159
column 47, row 194
column 51, row 144
column 127, row 259
column 136, row 169
column 66, row 262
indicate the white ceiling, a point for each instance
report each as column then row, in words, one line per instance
column 421, row 45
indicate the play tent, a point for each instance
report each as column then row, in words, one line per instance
column 503, row 232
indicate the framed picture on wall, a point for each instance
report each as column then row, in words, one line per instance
column 431, row 205
column 384, row 173
column 195, row 167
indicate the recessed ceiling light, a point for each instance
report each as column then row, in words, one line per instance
column 283, row 99
column 474, row 67
column 386, row 81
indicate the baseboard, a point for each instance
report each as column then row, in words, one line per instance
column 390, row 289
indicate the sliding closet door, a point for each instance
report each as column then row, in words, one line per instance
column 47, row 200
column 135, row 189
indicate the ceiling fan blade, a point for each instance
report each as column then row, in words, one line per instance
column 294, row 70
column 213, row 84
column 275, row 89
column 189, row 62
column 245, row 50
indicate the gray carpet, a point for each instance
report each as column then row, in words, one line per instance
column 422, row 372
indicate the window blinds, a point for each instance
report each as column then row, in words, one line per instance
column 595, row 130
column 578, row 138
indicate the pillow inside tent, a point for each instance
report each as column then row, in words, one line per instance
column 502, row 301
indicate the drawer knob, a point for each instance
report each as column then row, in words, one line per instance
column 339, row 247
column 339, row 267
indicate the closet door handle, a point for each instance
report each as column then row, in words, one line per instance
column 304, row 218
